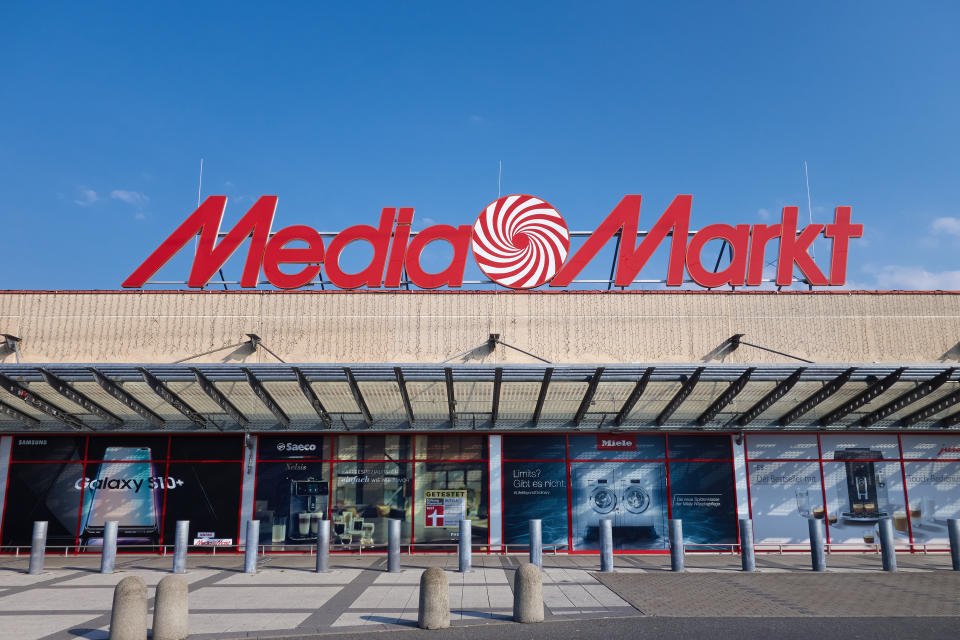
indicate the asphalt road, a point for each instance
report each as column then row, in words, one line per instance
column 636, row 628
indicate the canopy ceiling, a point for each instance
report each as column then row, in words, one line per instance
column 398, row 397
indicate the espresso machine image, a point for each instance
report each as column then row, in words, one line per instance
column 308, row 506
column 863, row 497
column 630, row 496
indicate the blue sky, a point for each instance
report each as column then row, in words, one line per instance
column 341, row 110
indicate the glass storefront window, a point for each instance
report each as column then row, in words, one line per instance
column 365, row 496
column 431, row 447
column 387, row 447
column 463, row 481
column 292, row 498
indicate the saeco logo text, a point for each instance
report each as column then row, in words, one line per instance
column 289, row 446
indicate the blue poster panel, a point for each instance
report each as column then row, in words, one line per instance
column 704, row 498
column 535, row 490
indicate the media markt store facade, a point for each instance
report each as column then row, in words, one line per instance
column 393, row 393
column 101, row 423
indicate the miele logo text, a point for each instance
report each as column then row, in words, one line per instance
column 32, row 443
column 289, row 446
column 519, row 241
column 621, row 443
column 945, row 449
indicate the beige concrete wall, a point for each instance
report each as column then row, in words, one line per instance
column 160, row 327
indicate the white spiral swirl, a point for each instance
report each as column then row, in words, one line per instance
column 520, row 241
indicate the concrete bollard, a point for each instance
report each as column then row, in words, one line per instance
column 953, row 528
column 676, row 544
column 38, row 547
column 323, row 546
column 748, row 559
column 465, row 547
column 817, row 559
column 253, row 542
column 434, row 612
column 108, row 555
column 170, row 610
column 606, row 545
column 128, row 618
column 536, row 543
column 180, row 543
column 393, row 546
column 528, row 594
column 888, row 552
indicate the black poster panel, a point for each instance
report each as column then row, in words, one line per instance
column 293, row 447
column 703, row 496
column 206, row 448
column 534, row 447
column 689, row 447
column 41, row 447
column 50, row 492
column 206, row 494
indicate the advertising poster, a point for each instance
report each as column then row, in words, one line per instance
column 632, row 494
column 704, row 498
column 784, row 495
column 785, row 487
column 293, row 488
column 932, row 468
column 861, row 490
column 531, row 491
column 444, row 508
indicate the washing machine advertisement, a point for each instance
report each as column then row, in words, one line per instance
column 631, row 494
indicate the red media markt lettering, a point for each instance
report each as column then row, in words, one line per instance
column 519, row 241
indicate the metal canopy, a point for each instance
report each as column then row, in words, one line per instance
column 396, row 397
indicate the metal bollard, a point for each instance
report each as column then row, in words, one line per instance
column 434, row 611
column 128, row 618
column 170, row 610
column 323, row 546
column 528, row 594
column 536, row 543
column 38, row 547
column 464, row 546
column 606, row 545
column 676, row 544
column 953, row 528
column 108, row 556
column 253, row 541
column 748, row 559
column 393, row 546
column 888, row 552
column 817, row 558
column 180, row 543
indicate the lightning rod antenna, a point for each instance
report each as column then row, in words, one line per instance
column 499, row 176
column 806, row 175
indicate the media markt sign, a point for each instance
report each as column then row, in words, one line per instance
column 445, row 508
column 518, row 241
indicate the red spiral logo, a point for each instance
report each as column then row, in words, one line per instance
column 520, row 241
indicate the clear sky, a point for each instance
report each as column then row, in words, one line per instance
column 341, row 109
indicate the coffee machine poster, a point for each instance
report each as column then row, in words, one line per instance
column 444, row 507
column 535, row 491
column 862, row 490
column 784, row 496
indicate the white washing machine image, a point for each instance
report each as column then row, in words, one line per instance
column 629, row 494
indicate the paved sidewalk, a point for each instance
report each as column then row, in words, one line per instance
column 286, row 598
